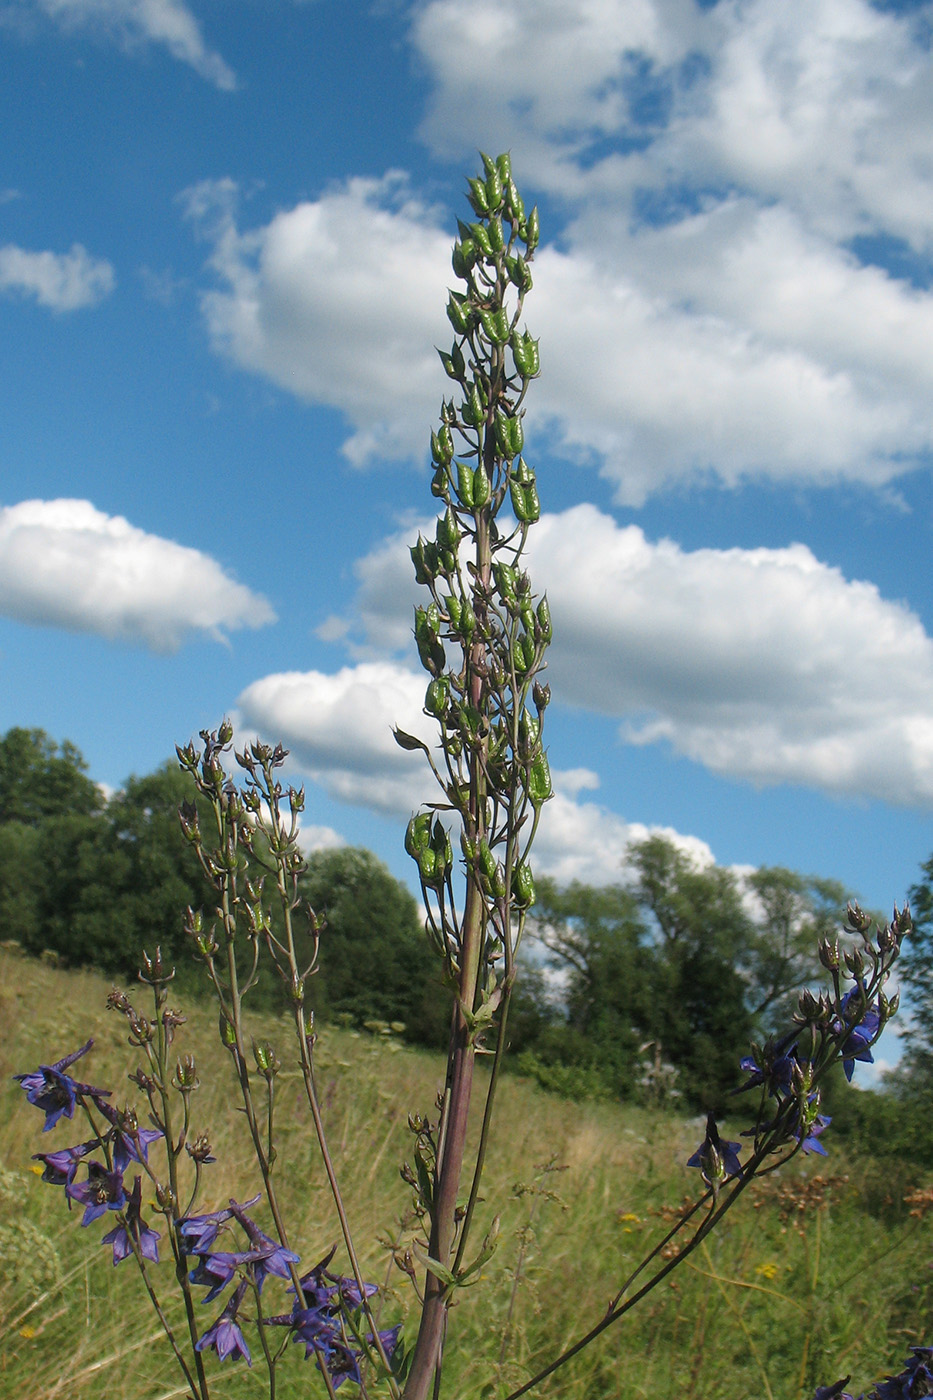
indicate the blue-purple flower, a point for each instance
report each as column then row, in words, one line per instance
column 716, row 1159
column 862, row 1035
column 199, row 1232
column 915, row 1380
column 216, row 1271
column 776, row 1072
column 833, row 1392
column 55, row 1092
column 225, row 1336
column 131, row 1143
column 61, row 1167
column 809, row 1136
column 133, row 1228
column 101, row 1191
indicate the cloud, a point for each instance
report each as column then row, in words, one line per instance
column 165, row 22
column 586, row 841
column 764, row 665
column 658, row 393
column 824, row 105
column 60, row 281
column 734, row 344
column 338, row 729
column 65, row 564
column 706, row 316
column 339, row 301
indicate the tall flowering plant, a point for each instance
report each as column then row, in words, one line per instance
column 481, row 636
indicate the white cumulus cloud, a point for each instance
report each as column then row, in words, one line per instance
column 706, row 315
column 340, row 301
column 66, row 564
column 766, row 665
column 762, row 664
column 60, row 281
column 170, row 23
column 338, row 729
column 737, row 343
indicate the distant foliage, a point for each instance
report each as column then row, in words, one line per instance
column 661, row 983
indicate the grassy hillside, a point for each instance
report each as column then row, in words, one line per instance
column 582, row 1189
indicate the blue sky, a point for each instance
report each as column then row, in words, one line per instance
column 224, row 248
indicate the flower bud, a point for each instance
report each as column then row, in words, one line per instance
column 857, row 920
column 267, row 1061
column 186, row 1075
column 828, row 954
column 200, row 1150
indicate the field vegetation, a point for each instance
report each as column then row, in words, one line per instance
column 824, row 1266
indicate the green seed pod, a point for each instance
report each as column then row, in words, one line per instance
column 496, row 236
column 539, row 781
column 532, row 504
column 436, row 697
column 467, row 620
column 480, row 236
column 448, row 531
column 487, row 861
column 495, row 325
column 463, row 258
column 521, row 507
column 418, row 834
column 523, row 887
column 525, row 354
column 424, row 558
column 458, row 313
column 427, row 865
column 477, row 197
column 503, row 435
column 532, row 230
column 504, row 165
column 529, row 729
column 472, row 409
column 453, row 605
column 439, row 484
column 481, row 488
column 465, row 485
column 494, row 191
column 544, row 619
column 454, row 364
column 516, row 203
column 506, row 580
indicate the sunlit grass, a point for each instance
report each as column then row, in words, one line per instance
column 801, row 1285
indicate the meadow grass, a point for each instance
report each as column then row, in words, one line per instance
column 820, row 1270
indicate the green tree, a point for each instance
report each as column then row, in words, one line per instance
column 794, row 912
column 119, row 882
column 698, row 999
column 375, row 961
column 40, row 778
column 597, row 939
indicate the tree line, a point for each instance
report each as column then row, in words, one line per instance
column 648, row 989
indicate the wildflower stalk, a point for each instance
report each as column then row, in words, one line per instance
column 492, row 769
